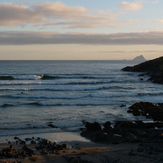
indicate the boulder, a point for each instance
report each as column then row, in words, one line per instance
column 107, row 125
column 123, row 105
column 147, row 109
column 52, row 126
column 124, row 125
column 92, row 126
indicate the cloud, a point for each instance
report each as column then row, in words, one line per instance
column 158, row 21
column 12, row 14
column 48, row 13
column 60, row 11
column 83, row 19
column 88, row 22
column 131, row 6
column 25, row 38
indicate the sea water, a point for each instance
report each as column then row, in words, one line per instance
column 34, row 94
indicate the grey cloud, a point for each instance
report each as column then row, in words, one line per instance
column 24, row 38
column 17, row 14
column 99, row 22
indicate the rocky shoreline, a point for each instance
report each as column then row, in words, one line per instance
column 41, row 150
column 44, row 146
column 128, row 131
column 153, row 68
column 124, row 131
column 147, row 136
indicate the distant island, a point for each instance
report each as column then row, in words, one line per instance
column 153, row 68
column 139, row 58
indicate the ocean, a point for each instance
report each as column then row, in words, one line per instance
column 54, row 96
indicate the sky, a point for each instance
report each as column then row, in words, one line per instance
column 80, row 30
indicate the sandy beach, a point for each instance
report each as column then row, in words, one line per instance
column 80, row 152
column 77, row 152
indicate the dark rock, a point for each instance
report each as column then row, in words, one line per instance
column 16, row 138
column 129, row 111
column 39, row 147
column 122, row 105
column 23, row 153
column 84, row 122
column 51, row 125
column 154, row 68
column 34, row 127
column 154, row 125
column 125, row 125
column 8, row 152
column 33, row 142
column 88, row 134
column 133, row 138
column 113, row 136
column 38, row 138
column 17, row 156
column 59, row 147
column 28, row 151
column 27, row 139
column 22, row 142
column 9, row 142
column 93, row 126
column 107, row 125
column 81, row 129
column 147, row 109
column 126, row 131
column 64, row 146
column 43, row 152
column 44, row 145
column 140, row 124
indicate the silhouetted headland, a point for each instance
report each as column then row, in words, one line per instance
column 153, row 68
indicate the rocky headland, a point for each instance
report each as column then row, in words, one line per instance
column 153, row 68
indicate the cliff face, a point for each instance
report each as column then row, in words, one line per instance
column 153, row 68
